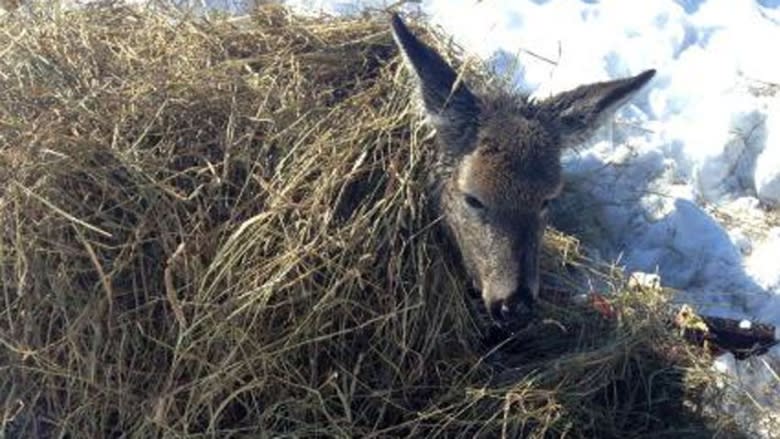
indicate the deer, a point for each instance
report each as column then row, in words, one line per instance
column 499, row 166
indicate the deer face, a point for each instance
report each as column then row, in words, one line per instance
column 501, row 160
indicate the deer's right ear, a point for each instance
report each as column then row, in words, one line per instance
column 451, row 107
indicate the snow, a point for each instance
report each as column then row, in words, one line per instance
column 336, row 7
column 768, row 162
column 763, row 268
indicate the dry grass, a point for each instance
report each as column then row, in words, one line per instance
column 224, row 229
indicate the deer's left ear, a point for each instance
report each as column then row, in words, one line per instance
column 576, row 114
column 452, row 107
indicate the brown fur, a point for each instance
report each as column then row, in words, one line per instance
column 500, row 157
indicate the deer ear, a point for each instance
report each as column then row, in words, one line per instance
column 576, row 114
column 451, row 107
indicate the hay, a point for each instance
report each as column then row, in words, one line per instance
column 223, row 228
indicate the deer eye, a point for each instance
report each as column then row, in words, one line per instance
column 473, row 202
column 546, row 205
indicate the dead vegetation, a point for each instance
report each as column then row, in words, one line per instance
column 223, row 228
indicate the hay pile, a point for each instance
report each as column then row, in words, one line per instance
column 223, row 228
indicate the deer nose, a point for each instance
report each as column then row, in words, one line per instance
column 516, row 309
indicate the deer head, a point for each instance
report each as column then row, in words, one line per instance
column 500, row 155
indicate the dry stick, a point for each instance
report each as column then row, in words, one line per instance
column 742, row 338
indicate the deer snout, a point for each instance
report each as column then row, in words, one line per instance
column 509, row 277
column 513, row 308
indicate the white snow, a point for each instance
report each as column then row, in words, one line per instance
column 336, row 7
column 768, row 162
column 762, row 265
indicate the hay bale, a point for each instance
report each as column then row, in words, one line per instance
column 223, row 228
